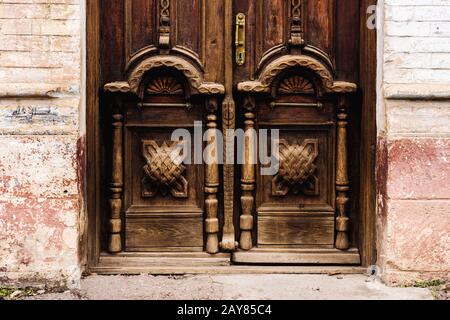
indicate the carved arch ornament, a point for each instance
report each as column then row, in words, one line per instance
column 194, row 77
column 286, row 62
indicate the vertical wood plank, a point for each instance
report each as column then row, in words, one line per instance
column 368, row 74
column 188, row 14
column 113, row 58
column 214, row 41
column 229, row 122
column 92, row 239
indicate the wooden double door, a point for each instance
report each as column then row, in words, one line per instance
column 285, row 68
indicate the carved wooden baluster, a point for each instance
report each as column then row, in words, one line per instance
column 248, row 177
column 342, row 181
column 297, row 34
column 116, row 187
column 164, row 26
column 212, row 180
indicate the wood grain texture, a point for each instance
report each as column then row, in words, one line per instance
column 184, row 265
column 248, row 177
column 164, row 233
column 91, row 238
column 368, row 75
column 122, row 34
column 116, row 185
column 228, row 242
column 295, row 231
column 267, row 256
column 342, row 178
column 212, row 181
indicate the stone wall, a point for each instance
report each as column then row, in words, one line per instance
column 40, row 81
column 414, row 144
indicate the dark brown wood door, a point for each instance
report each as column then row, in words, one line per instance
column 289, row 67
column 299, row 78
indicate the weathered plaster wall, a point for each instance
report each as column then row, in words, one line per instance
column 414, row 143
column 40, row 80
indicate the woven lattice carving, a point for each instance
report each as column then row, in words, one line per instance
column 297, row 168
column 164, row 170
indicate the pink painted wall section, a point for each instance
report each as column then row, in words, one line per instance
column 419, row 168
column 40, row 108
column 413, row 112
column 39, row 210
column 414, row 209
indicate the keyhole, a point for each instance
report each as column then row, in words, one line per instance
column 240, row 57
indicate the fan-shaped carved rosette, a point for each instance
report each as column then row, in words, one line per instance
column 164, row 170
column 165, row 85
column 296, row 85
column 297, row 169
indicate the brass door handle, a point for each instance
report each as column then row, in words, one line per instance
column 240, row 39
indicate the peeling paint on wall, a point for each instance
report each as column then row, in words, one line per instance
column 40, row 206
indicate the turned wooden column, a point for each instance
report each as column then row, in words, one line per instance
column 248, row 176
column 212, row 180
column 342, row 181
column 116, row 187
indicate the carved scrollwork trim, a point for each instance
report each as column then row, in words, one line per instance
column 290, row 61
column 274, row 69
column 344, row 87
column 210, row 88
column 119, row 86
column 193, row 75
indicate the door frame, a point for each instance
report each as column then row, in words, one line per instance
column 90, row 239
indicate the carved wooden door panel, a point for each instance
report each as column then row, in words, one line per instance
column 299, row 79
column 289, row 67
column 163, row 71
